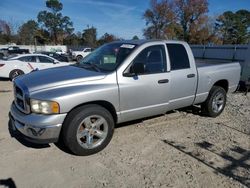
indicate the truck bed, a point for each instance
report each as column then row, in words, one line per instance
column 210, row 71
column 210, row 62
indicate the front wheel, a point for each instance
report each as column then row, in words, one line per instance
column 78, row 58
column 88, row 129
column 215, row 103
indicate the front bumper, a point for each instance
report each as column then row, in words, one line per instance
column 37, row 128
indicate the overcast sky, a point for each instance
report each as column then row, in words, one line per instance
column 122, row 18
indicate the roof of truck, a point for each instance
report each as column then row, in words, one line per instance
column 140, row 42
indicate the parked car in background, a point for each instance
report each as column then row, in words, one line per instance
column 23, row 64
column 12, row 50
column 78, row 55
column 119, row 82
column 60, row 52
column 1, row 55
column 55, row 55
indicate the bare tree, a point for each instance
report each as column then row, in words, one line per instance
column 177, row 19
column 159, row 18
column 191, row 16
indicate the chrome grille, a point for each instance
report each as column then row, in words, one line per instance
column 21, row 99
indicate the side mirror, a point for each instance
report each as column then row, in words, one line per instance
column 135, row 69
column 55, row 62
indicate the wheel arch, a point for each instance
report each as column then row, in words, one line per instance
column 16, row 69
column 105, row 104
column 222, row 83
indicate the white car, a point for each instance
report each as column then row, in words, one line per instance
column 23, row 64
column 78, row 55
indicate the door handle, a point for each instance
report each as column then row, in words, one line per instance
column 163, row 81
column 190, row 75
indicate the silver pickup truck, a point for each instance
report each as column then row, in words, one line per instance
column 118, row 82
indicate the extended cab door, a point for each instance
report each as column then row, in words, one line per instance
column 145, row 93
column 183, row 76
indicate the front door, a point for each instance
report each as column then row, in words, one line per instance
column 145, row 94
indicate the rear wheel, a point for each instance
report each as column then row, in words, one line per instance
column 15, row 73
column 88, row 129
column 215, row 103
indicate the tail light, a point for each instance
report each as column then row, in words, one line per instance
column 2, row 65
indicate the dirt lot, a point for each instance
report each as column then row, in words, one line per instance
column 180, row 149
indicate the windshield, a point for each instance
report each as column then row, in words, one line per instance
column 107, row 57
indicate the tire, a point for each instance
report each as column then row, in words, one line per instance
column 15, row 73
column 78, row 58
column 215, row 103
column 82, row 135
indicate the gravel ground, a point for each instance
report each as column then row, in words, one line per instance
column 179, row 149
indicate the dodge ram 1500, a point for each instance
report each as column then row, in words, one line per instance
column 118, row 82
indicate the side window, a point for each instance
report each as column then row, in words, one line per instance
column 43, row 59
column 153, row 59
column 87, row 50
column 31, row 59
column 178, row 57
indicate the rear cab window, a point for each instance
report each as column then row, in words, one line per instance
column 178, row 57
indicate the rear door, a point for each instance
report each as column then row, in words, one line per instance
column 45, row 62
column 29, row 62
column 183, row 77
column 145, row 94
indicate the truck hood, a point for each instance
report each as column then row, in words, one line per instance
column 54, row 77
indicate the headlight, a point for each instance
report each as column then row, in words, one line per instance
column 44, row 107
